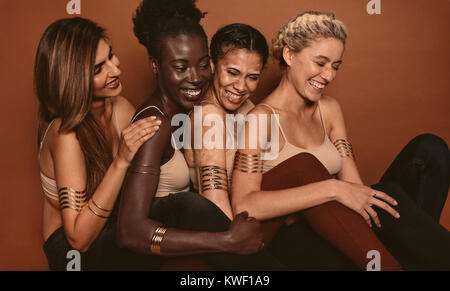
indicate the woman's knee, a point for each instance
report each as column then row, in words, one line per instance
column 199, row 213
column 197, row 203
column 432, row 149
column 432, row 144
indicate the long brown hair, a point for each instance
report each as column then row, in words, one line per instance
column 63, row 80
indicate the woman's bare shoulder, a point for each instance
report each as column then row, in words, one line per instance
column 56, row 135
column 211, row 108
column 124, row 110
column 330, row 104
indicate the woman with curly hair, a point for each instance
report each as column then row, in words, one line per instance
column 158, row 216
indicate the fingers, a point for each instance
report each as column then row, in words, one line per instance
column 366, row 217
column 144, row 138
column 385, row 197
column 144, row 129
column 140, row 131
column 134, row 139
column 144, row 135
column 243, row 214
column 132, row 126
column 373, row 214
column 385, row 206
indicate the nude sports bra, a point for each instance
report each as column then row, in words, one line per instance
column 174, row 174
column 326, row 153
column 48, row 184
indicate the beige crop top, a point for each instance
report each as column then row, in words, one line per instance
column 49, row 184
column 326, row 153
column 174, row 174
column 229, row 154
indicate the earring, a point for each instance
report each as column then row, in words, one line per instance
column 154, row 66
column 211, row 64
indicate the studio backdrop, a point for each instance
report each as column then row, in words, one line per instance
column 392, row 86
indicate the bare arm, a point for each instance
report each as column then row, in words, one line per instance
column 337, row 130
column 210, row 160
column 246, row 187
column 135, row 229
column 247, row 194
column 349, row 173
column 82, row 227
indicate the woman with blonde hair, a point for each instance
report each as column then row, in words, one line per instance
column 310, row 48
column 86, row 142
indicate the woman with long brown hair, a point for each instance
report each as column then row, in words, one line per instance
column 85, row 140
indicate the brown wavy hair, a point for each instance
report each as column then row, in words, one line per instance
column 63, row 81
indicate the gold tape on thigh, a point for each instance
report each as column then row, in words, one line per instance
column 213, row 177
column 248, row 163
column 344, row 148
column 70, row 198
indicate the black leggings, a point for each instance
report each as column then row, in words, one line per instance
column 419, row 180
column 187, row 210
column 191, row 211
column 103, row 254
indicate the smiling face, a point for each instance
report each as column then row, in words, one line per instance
column 183, row 69
column 106, row 72
column 236, row 76
column 311, row 69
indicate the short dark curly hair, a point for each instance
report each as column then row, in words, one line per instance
column 238, row 36
column 157, row 19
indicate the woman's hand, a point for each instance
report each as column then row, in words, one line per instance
column 245, row 234
column 361, row 198
column 135, row 135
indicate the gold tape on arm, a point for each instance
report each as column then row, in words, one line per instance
column 248, row 163
column 157, row 237
column 95, row 212
column 213, row 177
column 144, row 169
column 71, row 199
column 344, row 148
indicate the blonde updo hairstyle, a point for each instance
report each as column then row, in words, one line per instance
column 304, row 28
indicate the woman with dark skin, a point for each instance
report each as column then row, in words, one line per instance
column 151, row 219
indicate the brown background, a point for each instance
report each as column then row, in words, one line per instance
column 392, row 86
